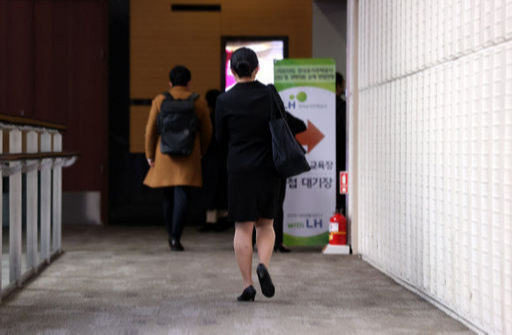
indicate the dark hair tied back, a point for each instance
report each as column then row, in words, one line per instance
column 243, row 69
column 243, row 62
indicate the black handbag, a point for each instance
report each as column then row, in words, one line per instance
column 289, row 156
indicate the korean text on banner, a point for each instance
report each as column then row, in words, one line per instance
column 307, row 87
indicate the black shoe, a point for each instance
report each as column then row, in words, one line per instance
column 248, row 294
column 175, row 245
column 267, row 288
column 281, row 248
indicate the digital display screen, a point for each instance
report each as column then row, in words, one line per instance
column 267, row 52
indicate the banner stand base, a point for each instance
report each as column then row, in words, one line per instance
column 336, row 250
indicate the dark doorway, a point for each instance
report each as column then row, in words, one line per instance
column 129, row 201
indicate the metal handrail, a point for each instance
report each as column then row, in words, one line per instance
column 42, row 142
column 39, row 155
column 22, row 122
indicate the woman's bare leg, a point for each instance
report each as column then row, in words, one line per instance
column 265, row 238
column 243, row 250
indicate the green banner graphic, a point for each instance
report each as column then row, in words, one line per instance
column 305, row 72
column 307, row 87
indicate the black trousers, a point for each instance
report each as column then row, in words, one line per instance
column 278, row 220
column 175, row 205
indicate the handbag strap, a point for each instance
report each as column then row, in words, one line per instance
column 277, row 106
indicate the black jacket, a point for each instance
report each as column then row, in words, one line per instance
column 241, row 117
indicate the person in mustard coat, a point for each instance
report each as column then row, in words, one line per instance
column 176, row 174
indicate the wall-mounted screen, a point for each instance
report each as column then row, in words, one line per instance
column 268, row 49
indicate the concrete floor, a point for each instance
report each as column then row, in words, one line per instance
column 124, row 280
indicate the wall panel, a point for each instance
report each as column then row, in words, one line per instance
column 18, row 70
column 161, row 38
column 3, row 54
column 291, row 18
column 51, row 43
column 53, row 68
column 86, row 105
column 435, row 151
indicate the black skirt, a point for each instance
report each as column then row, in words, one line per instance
column 253, row 196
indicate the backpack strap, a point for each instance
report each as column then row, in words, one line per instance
column 193, row 97
column 168, row 96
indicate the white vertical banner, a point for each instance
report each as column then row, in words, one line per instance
column 307, row 87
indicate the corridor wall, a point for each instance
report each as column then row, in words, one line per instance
column 161, row 38
column 434, row 129
column 53, row 68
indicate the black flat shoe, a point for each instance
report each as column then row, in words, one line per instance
column 248, row 294
column 267, row 287
column 175, row 245
column 281, row 248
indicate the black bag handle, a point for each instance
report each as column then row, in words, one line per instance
column 276, row 103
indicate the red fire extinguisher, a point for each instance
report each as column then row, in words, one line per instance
column 338, row 230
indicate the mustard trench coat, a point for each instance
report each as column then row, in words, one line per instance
column 176, row 171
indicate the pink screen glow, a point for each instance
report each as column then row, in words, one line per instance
column 267, row 52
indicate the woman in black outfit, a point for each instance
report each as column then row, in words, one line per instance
column 242, row 117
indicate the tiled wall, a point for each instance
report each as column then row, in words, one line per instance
column 435, row 151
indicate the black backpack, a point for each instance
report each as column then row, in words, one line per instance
column 177, row 125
